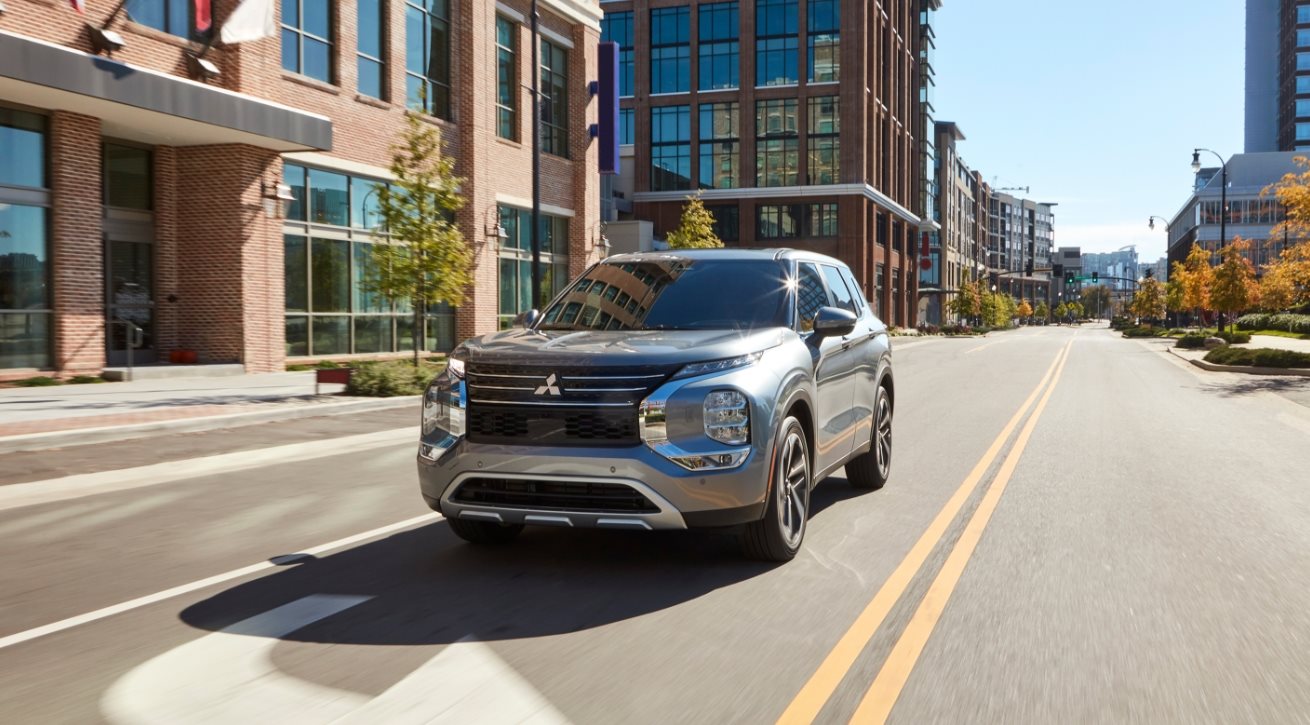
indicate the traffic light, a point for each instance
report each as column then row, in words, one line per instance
column 1068, row 277
column 1150, row 272
column 1029, row 269
column 1096, row 277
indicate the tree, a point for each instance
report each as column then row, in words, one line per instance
column 420, row 256
column 1149, row 301
column 1096, row 298
column 1175, row 289
column 1197, row 280
column 1062, row 311
column 1277, row 291
column 1233, row 288
column 967, row 303
column 1287, row 280
column 696, row 230
column 1025, row 310
column 1043, row 311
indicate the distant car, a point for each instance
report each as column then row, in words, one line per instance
column 674, row 390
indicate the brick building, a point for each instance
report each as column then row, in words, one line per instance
column 803, row 123
column 138, row 189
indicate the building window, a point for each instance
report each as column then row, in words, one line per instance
column 1303, row 61
column 617, row 28
column 127, row 172
column 718, row 35
column 670, row 150
column 824, row 37
column 1303, row 38
column 171, row 16
column 776, row 143
column 726, row 221
column 1303, row 14
column 776, row 44
column 25, row 302
column 719, row 145
column 329, row 308
column 670, row 50
column 824, row 128
column 427, row 56
column 1303, row 84
column 555, row 106
column 1303, row 132
column 1302, row 108
column 372, row 68
column 307, row 38
column 515, row 282
column 626, row 130
column 794, row 221
column 507, row 85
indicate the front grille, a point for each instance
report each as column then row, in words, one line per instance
column 553, row 495
column 558, row 406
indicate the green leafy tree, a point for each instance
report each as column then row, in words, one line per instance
column 1234, row 288
column 1149, row 301
column 420, row 257
column 1096, row 298
column 1043, row 311
column 1062, row 311
column 967, row 303
column 696, row 229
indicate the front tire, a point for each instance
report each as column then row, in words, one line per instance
column 870, row 470
column 778, row 536
column 485, row 533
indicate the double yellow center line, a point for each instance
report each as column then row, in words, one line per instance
column 886, row 687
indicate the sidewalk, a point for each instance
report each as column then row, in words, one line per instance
column 75, row 414
column 1279, row 343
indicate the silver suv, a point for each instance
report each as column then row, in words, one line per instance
column 671, row 390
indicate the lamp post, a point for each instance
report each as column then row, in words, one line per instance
column 1150, row 223
column 1223, row 206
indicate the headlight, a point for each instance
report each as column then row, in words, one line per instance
column 443, row 411
column 728, row 417
column 718, row 366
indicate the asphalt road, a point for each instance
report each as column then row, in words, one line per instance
column 1078, row 528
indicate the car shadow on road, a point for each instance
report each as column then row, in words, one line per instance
column 428, row 587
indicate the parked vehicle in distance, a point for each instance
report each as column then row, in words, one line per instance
column 674, row 390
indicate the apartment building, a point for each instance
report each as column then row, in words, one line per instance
column 1277, row 75
column 219, row 198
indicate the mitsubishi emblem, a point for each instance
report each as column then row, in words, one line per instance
column 550, row 388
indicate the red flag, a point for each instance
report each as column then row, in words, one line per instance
column 78, row 5
column 203, row 17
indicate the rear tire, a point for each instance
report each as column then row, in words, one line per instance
column 778, row 536
column 870, row 470
column 484, row 533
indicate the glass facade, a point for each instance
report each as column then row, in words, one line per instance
column 617, row 28
column 555, row 101
column 670, row 150
column 720, row 154
column 176, row 17
column 824, row 145
column 824, row 39
column 25, row 298
column 372, row 69
column 776, row 143
column 507, row 78
column 670, row 50
column 328, row 254
column 307, row 38
column 718, row 34
column 776, row 42
column 515, row 279
column 427, row 56
column 794, row 221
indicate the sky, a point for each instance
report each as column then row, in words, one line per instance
column 1096, row 106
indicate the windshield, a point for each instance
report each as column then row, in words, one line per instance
column 674, row 293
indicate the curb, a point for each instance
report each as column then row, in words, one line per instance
column 1249, row 370
column 108, row 434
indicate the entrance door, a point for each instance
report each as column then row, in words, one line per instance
column 129, row 277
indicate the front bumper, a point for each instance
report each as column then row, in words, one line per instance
column 680, row 498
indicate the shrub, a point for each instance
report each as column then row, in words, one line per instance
column 1234, row 338
column 1144, row 332
column 299, row 368
column 1284, row 322
column 387, row 379
column 958, row 330
column 1121, row 323
column 1191, row 342
column 929, row 329
column 39, row 381
column 86, row 380
column 1259, row 357
column 1256, row 321
column 326, row 365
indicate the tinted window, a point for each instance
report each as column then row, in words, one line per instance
column 675, row 293
column 855, row 289
column 810, row 296
column 841, row 296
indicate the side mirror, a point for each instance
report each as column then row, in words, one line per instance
column 527, row 319
column 834, row 322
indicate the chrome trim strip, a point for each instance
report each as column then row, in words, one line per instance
column 482, row 516
column 480, row 386
column 472, row 374
column 552, row 404
column 613, row 377
column 667, row 517
column 605, row 390
column 548, row 520
column 623, row 524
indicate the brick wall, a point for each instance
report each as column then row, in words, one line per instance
column 77, row 243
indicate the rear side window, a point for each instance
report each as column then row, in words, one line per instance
column 810, row 295
column 855, row 289
column 840, row 295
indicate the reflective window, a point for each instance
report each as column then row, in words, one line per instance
column 626, row 130
column 670, row 50
column 726, row 221
column 329, row 264
column 176, row 17
column 1303, row 14
column 371, row 66
column 824, row 39
column 295, row 260
column 810, row 296
column 776, row 42
column 1303, row 61
column 719, row 145
column 670, row 148
column 776, row 143
column 792, row 221
column 555, row 106
column 824, row 148
column 515, row 264
column 1303, row 84
column 617, row 28
column 127, row 176
column 718, row 35
column 329, row 198
column 822, row 220
column 1303, row 132
column 427, row 56
column 1302, row 108
column 307, row 38
column 841, row 297
column 22, row 148
column 507, row 79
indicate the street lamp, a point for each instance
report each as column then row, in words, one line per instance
column 1223, row 204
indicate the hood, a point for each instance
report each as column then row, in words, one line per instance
column 618, row 347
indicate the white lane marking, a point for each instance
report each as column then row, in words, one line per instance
column 89, row 484
column 63, row 624
column 229, row 677
column 903, row 345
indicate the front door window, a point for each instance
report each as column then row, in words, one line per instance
column 131, row 301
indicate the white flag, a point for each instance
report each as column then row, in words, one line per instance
column 252, row 20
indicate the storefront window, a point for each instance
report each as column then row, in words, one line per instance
column 24, row 244
column 22, row 149
column 328, row 198
column 515, row 294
